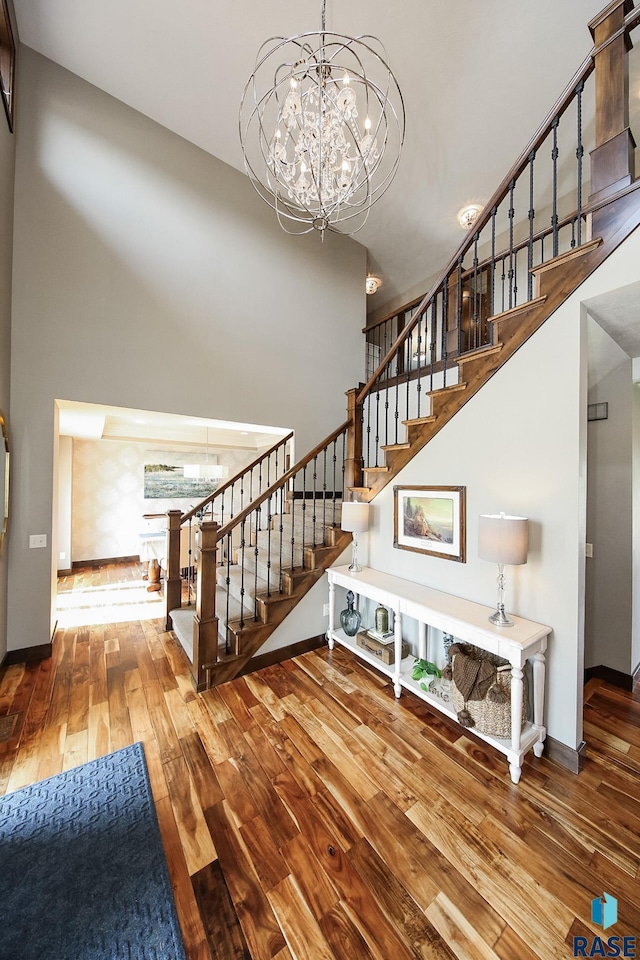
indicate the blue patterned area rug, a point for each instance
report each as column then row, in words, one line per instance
column 83, row 875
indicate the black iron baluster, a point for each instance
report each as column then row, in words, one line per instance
column 242, row 555
column 419, row 385
column 554, row 157
column 314, row 501
column 368, row 430
column 432, row 346
column 324, row 496
column 292, row 514
column 512, row 214
column 476, row 295
column 461, row 347
column 251, row 485
column 579, row 156
column 269, row 529
column 397, row 392
column 503, row 279
column 257, row 526
column 228, row 596
column 445, row 346
column 304, row 509
column 408, row 374
column 344, row 454
column 377, row 440
column 281, row 547
column 232, row 501
column 573, row 232
column 492, row 277
column 515, row 278
column 386, row 399
column 335, row 492
column 532, row 213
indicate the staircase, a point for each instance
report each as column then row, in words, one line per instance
column 533, row 245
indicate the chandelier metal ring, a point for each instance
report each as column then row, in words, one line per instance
column 322, row 126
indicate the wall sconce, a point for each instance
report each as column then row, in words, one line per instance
column 372, row 285
column 504, row 540
column 355, row 520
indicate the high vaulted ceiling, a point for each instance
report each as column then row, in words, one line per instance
column 478, row 77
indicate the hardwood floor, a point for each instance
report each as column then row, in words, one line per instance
column 343, row 824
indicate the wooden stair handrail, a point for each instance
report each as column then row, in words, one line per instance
column 540, row 135
column 284, row 479
column 225, row 486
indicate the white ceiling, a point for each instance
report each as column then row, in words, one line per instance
column 478, row 77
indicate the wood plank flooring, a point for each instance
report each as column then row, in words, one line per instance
column 307, row 815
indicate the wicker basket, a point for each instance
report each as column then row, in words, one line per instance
column 492, row 719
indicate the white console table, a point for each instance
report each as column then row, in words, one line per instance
column 468, row 622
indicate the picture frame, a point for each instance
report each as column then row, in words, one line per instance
column 430, row 520
column 7, row 62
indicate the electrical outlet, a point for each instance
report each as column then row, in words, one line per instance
column 325, row 610
column 37, row 540
column 63, row 555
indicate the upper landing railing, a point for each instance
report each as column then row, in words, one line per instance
column 580, row 158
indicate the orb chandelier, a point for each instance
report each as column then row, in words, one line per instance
column 321, row 128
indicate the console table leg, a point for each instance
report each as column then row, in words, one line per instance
column 517, row 693
column 397, row 630
column 539, row 669
column 422, row 641
column 516, row 772
column 332, row 607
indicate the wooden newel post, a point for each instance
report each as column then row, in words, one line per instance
column 353, row 449
column 612, row 160
column 205, row 622
column 173, row 585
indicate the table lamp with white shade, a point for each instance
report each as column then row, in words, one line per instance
column 355, row 520
column 504, row 540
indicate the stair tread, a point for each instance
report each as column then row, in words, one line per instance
column 396, row 446
column 418, row 420
column 514, row 311
column 484, row 351
column 580, row 251
column 453, row 388
column 376, row 469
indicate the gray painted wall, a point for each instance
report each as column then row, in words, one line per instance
column 609, row 581
column 147, row 274
column 7, row 166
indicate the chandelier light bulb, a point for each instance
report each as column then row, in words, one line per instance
column 302, row 117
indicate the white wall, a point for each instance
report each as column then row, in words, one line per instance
column 7, row 165
column 520, row 446
column 609, row 582
column 635, row 628
column 108, row 494
column 147, row 274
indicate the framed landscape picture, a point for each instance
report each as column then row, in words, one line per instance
column 430, row 520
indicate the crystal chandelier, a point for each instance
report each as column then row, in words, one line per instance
column 321, row 128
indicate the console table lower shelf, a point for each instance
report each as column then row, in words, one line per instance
column 468, row 622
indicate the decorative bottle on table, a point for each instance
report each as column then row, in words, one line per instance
column 382, row 620
column 350, row 618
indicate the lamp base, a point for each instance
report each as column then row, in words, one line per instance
column 355, row 568
column 500, row 618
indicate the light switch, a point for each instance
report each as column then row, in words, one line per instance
column 37, row 540
column 588, row 550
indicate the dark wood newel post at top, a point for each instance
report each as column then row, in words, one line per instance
column 173, row 585
column 612, row 160
column 205, row 622
column 353, row 451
